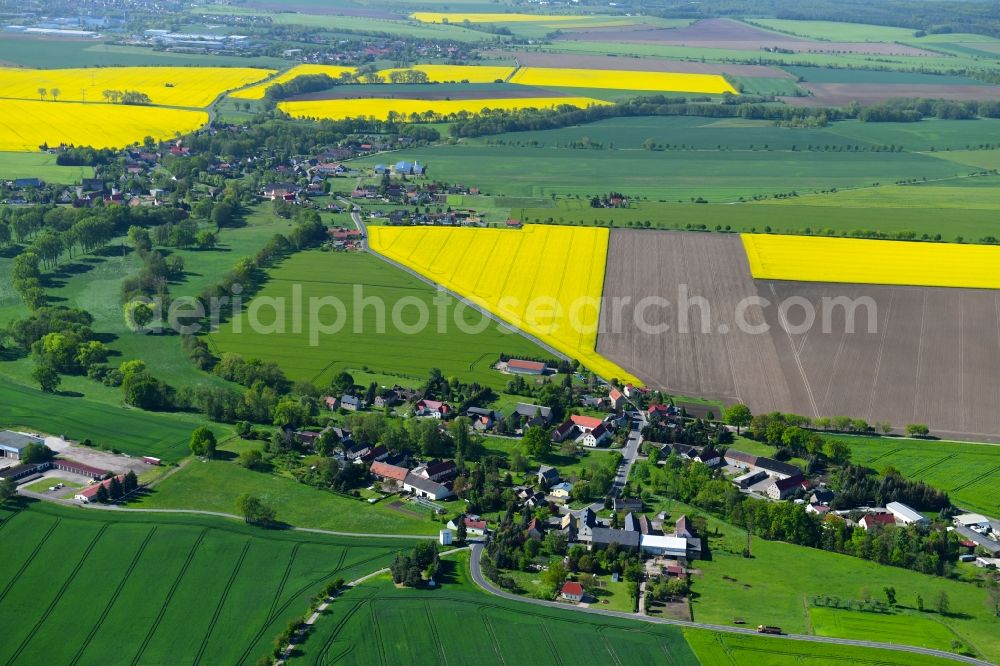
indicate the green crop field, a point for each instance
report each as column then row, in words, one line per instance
column 739, row 134
column 79, row 586
column 717, row 175
column 133, row 431
column 860, row 61
column 784, row 216
column 50, row 53
column 837, row 31
column 838, row 75
column 730, row 585
column 459, row 624
column 360, row 343
column 42, row 166
column 903, row 629
column 718, row 648
column 214, row 486
column 971, row 193
column 967, row 471
column 980, row 159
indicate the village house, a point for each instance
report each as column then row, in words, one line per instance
column 352, row 403
column 572, row 591
column 482, row 418
column 780, row 488
column 535, row 530
column 536, row 415
column 616, row 399
column 432, row 408
column 547, row 476
column 870, row 520
column 561, row 491
column 436, row 470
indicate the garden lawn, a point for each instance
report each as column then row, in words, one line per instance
column 214, row 486
column 80, row 585
column 360, row 343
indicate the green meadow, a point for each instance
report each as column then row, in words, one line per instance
column 78, row 586
column 370, row 337
column 215, row 485
column 42, row 166
column 133, row 431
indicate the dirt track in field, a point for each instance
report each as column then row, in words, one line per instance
column 575, row 61
column 840, row 94
column 727, row 34
column 933, row 357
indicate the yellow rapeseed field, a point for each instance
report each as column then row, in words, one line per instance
column 710, row 84
column 445, row 17
column 545, row 280
column 447, row 73
column 257, row 91
column 166, row 86
column 25, row 125
column 338, row 109
column 819, row 259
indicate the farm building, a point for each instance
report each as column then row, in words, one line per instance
column 445, row 537
column 519, row 367
column 667, row 546
column 87, row 495
column 905, row 514
column 605, row 536
column 426, row 488
column 78, row 468
column 13, row 443
column 16, row 472
column 388, row 472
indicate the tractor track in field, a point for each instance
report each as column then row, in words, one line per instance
column 222, row 602
column 62, row 590
column 295, row 595
column 28, row 560
column 321, row 655
column 114, row 598
column 170, row 595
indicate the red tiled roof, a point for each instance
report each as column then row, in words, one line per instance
column 879, row 519
column 585, row 421
column 90, row 491
column 525, row 365
column 389, row 471
column 573, row 589
column 475, row 524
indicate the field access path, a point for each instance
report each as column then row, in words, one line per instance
column 480, row 580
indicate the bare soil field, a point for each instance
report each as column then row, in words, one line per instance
column 727, row 34
column 840, row 94
column 574, row 61
column 932, row 357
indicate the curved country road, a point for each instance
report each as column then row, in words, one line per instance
column 480, row 580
